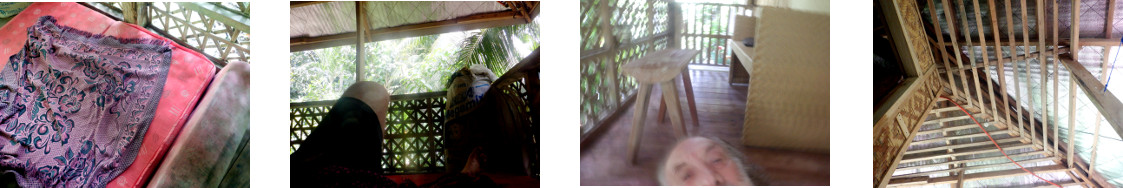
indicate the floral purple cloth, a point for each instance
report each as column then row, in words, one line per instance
column 74, row 106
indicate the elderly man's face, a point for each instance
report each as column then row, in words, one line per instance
column 701, row 161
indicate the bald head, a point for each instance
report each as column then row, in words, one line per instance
column 703, row 161
column 374, row 95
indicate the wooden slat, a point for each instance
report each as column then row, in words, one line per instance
column 1072, row 117
column 1029, row 97
column 936, row 155
column 1001, row 72
column 228, row 17
column 1044, row 69
column 978, row 100
column 962, row 145
column 1017, row 86
column 975, row 176
column 1004, row 164
column 957, row 118
column 941, row 139
column 986, row 60
column 1075, row 34
column 295, row 4
column 1110, row 19
column 1084, row 41
column 1056, row 75
column 1096, row 133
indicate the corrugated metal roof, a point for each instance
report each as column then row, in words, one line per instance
column 339, row 17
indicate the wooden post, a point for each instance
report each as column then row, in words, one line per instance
column 128, row 11
column 142, row 14
column 1071, row 118
column 360, row 49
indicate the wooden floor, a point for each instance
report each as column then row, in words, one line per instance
column 721, row 107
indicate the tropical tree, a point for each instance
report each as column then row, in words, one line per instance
column 409, row 65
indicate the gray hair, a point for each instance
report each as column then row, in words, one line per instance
column 735, row 154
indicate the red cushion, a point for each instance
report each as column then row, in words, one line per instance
column 188, row 77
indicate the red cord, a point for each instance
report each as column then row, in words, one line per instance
column 996, row 143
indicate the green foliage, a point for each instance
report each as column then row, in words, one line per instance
column 409, row 65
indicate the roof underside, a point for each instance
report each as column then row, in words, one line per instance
column 339, row 17
column 1027, row 92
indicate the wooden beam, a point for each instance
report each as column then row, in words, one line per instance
column 1001, row 61
column 953, row 128
column 962, row 145
column 950, row 15
column 986, row 58
column 1096, row 134
column 1104, row 100
column 975, row 176
column 1075, row 34
column 978, row 100
column 1056, row 75
column 943, row 49
column 1084, row 41
column 1025, row 36
column 295, row 4
column 464, row 23
column 1006, row 163
column 941, row 139
column 1014, row 50
column 1044, row 77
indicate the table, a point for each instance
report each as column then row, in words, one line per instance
column 742, row 62
column 660, row 67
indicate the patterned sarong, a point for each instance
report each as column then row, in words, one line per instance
column 74, row 106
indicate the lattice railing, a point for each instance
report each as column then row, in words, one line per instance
column 613, row 33
column 706, row 27
column 219, row 30
column 413, row 140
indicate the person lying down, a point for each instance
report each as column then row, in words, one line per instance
column 345, row 149
column 705, row 161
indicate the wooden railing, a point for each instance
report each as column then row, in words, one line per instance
column 220, row 31
column 706, row 27
column 613, row 35
column 413, row 142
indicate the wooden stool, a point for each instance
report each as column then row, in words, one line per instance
column 661, row 68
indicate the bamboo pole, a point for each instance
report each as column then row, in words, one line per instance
column 360, row 49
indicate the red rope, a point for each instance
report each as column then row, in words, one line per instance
column 996, row 143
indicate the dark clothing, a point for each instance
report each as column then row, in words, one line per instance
column 346, row 144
